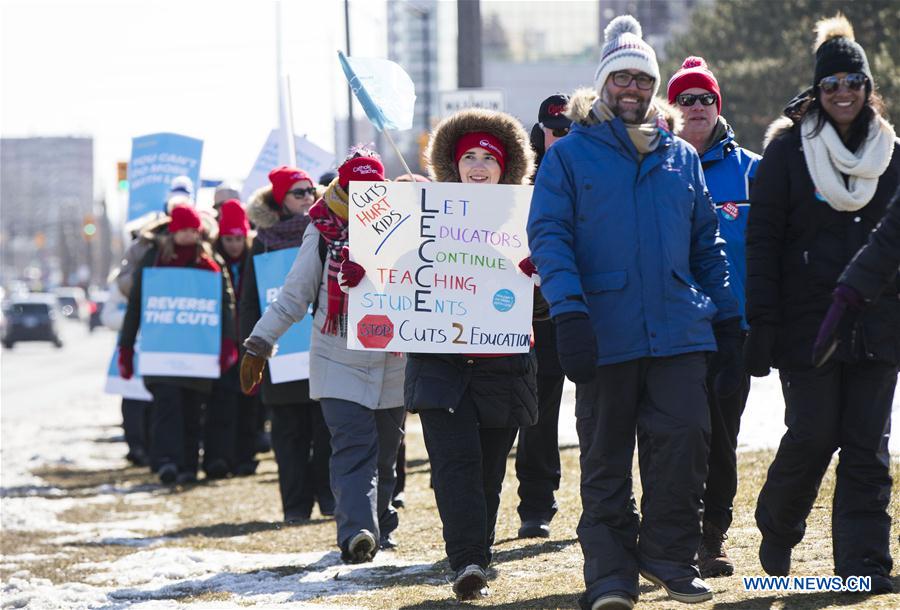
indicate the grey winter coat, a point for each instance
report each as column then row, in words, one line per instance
column 371, row 379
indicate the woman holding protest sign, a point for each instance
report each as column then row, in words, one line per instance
column 361, row 393
column 299, row 436
column 472, row 405
column 175, row 438
column 229, row 427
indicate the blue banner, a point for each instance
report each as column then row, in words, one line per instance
column 155, row 160
column 181, row 322
column 291, row 361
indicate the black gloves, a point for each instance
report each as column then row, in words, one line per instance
column 758, row 349
column 727, row 360
column 576, row 346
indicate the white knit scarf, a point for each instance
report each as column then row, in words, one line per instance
column 827, row 159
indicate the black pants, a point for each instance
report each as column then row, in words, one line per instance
column 400, row 485
column 468, row 464
column 229, row 432
column 302, row 447
column 725, row 424
column 537, row 456
column 838, row 406
column 136, row 424
column 664, row 399
column 175, row 427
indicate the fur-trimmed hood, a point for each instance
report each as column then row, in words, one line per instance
column 261, row 207
column 582, row 101
column 777, row 128
column 441, row 149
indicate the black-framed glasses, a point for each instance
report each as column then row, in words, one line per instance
column 301, row 193
column 623, row 79
column 853, row 81
column 689, row 99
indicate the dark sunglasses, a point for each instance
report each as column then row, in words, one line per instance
column 301, row 193
column 688, row 99
column 854, row 81
column 623, row 79
column 559, row 132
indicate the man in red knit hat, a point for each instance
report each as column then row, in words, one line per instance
column 729, row 170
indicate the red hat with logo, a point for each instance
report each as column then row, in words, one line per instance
column 283, row 178
column 184, row 217
column 360, row 169
column 233, row 219
column 481, row 139
column 694, row 73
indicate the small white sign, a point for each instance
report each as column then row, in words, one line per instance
column 454, row 101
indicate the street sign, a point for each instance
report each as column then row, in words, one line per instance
column 453, row 101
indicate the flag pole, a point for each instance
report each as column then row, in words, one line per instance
column 397, row 150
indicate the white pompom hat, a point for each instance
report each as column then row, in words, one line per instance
column 624, row 49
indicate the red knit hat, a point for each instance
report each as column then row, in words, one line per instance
column 694, row 73
column 233, row 219
column 283, row 178
column 184, row 217
column 360, row 169
column 481, row 139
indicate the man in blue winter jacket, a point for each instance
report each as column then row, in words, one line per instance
column 625, row 237
column 729, row 169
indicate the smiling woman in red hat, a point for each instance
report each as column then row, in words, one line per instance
column 300, row 438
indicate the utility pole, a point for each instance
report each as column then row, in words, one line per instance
column 351, row 127
column 468, row 43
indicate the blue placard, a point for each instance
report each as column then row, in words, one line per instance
column 181, row 322
column 155, row 160
column 291, row 361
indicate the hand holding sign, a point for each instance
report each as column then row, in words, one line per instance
column 351, row 274
column 126, row 362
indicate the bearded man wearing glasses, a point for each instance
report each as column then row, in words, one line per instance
column 729, row 170
column 625, row 238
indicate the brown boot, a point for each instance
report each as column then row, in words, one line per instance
column 712, row 559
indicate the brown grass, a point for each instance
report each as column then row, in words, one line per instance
column 244, row 515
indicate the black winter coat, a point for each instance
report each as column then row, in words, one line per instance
column 873, row 267
column 290, row 392
column 504, row 389
column 797, row 247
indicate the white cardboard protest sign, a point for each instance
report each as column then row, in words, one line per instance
column 441, row 264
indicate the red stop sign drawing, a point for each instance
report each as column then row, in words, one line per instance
column 375, row 331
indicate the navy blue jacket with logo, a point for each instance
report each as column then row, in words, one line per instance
column 729, row 170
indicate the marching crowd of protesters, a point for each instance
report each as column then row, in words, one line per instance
column 670, row 264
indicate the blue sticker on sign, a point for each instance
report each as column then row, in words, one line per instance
column 504, row 300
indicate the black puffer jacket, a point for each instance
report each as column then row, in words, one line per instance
column 797, row 246
column 263, row 216
column 877, row 263
column 503, row 389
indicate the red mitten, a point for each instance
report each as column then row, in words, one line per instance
column 351, row 273
column 528, row 268
column 126, row 362
column 228, row 355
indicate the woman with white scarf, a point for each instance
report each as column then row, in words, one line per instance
column 829, row 170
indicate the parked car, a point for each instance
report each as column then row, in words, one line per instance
column 72, row 302
column 95, row 308
column 31, row 317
